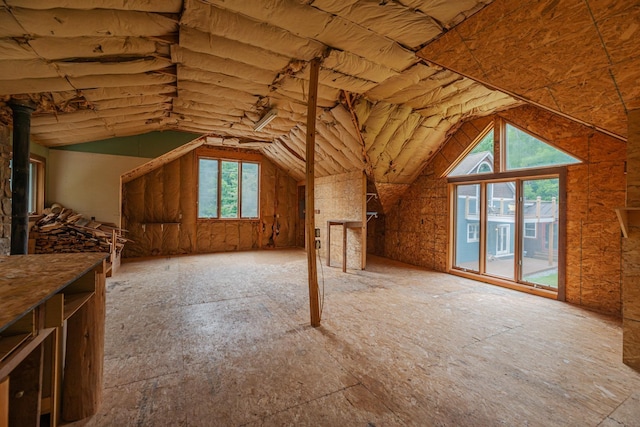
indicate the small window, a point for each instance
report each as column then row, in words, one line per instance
column 479, row 160
column 485, row 168
column 250, row 179
column 530, row 230
column 525, row 151
column 473, row 232
column 228, row 189
column 207, row 188
column 35, row 196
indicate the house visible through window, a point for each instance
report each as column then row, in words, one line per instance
column 517, row 206
column 473, row 232
column 525, row 151
column 228, row 189
column 530, row 230
column 479, row 160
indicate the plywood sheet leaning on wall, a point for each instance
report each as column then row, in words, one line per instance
column 342, row 197
column 160, row 210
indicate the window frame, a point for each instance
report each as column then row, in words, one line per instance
column 476, row 232
column 519, row 175
column 535, row 230
column 496, row 140
column 239, row 162
column 504, row 151
column 37, row 164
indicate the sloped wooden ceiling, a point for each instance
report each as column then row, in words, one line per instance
column 579, row 58
column 99, row 69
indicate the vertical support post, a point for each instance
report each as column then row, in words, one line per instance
column 310, row 220
column 630, row 252
column 20, row 176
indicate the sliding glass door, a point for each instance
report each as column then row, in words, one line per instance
column 467, row 218
column 500, row 237
column 540, row 232
column 508, row 230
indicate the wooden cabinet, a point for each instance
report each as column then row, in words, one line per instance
column 52, row 310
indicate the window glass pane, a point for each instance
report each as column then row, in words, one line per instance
column 229, row 193
column 249, row 190
column 207, row 188
column 33, row 183
column 467, row 220
column 525, row 151
column 479, row 160
column 32, row 196
column 540, row 237
column 473, row 232
column 500, row 241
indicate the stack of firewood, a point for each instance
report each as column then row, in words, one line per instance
column 62, row 230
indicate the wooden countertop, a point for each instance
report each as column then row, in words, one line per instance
column 28, row 280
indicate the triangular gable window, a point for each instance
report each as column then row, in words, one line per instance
column 479, row 160
column 524, row 151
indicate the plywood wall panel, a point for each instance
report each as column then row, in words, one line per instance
column 155, row 203
column 631, row 334
column 561, row 58
column 416, row 227
column 618, row 28
column 627, row 75
column 602, row 205
column 600, row 294
column 341, row 197
column 631, row 251
column 452, row 151
column 438, row 164
column 631, row 289
column 603, row 148
column 415, row 221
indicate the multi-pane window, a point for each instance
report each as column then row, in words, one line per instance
column 524, row 151
column 35, row 193
column 507, row 224
column 530, row 230
column 473, row 232
column 479, row 160
column 228, row 189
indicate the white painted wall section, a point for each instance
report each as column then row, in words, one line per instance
column 88, row 183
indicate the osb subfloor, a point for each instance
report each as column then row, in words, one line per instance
column 223, row 340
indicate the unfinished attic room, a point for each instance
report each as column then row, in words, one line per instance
column 319, row 213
